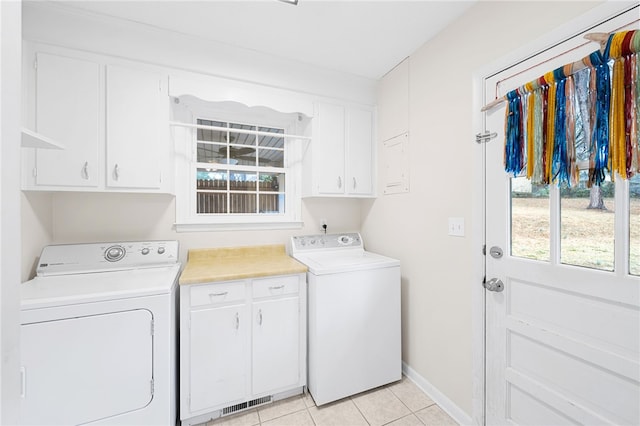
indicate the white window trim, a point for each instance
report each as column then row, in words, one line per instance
column 183, row 129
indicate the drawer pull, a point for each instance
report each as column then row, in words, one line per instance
column 237, row 320
column 224, row 293
column 260, row 317
column 276, row 287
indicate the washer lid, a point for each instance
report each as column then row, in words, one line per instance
column 331, row 262
column 61, row 290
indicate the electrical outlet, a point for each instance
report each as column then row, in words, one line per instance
column 456, row 226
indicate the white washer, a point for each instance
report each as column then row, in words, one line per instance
column 98, row 335
column 354, row 315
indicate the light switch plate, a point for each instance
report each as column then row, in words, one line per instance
column 456, row 226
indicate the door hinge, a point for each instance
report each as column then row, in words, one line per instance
column 485, row 136
column 484, row 249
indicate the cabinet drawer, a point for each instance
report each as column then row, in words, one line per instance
column 276, row 286
column 213, row 294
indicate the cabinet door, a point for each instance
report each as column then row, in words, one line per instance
column 329, row 147
column 359, row 152
column 134, row 128
column 67, row 110
column 218, row 356
column 276, row 344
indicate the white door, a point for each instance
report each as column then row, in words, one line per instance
column 329, row 147
column 276, row 344
column 359, row 151
column 218, row 353
column 87, row 368
column 563, row 337
column 68, row 111
column 134, row 136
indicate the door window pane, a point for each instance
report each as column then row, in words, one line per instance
column 587, row 225
column 634, row 225
column 529, row 220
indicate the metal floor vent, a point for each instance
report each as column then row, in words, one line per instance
column 243, row 406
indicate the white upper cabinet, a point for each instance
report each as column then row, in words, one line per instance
column 340, row 160
column 359, row 170
column 111, row 120
column 134, row 125
column 328, row 148
column 68, row 109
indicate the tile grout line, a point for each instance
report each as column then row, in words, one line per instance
column 359, row 411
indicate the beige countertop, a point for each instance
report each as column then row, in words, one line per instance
column 235, row 263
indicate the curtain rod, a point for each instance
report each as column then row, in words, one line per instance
column 572, row 68
column 244, row 131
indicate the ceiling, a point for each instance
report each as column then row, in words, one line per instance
column 363, row 38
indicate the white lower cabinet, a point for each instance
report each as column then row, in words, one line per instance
column 241, row 343
column 219, row 345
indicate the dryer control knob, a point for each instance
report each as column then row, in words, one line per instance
column 161, row 250
column 114, row 253
column 145, row 251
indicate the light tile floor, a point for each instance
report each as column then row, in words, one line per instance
column 398, row 404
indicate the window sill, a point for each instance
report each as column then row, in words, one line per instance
column 245, row 226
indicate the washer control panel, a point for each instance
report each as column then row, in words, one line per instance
column 100, row 257
column 326, row 241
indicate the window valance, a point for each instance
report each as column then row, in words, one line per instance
column 594, row 101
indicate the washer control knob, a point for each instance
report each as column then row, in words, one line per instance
column 145, row 251
column 114, row 253
column 345, row 239
column 161, row 250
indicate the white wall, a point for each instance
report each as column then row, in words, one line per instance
column 10, row 51
column 91, row 217
column 437, row 268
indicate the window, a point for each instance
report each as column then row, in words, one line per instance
column 239, row 168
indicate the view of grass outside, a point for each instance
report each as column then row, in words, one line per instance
column 529, row 220
column 587, row 234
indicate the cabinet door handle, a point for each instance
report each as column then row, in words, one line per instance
column 85, row 170
column 354, row 183
column 276, row 287
column 237, row 320
column 339, row 182
column 260, row 317
column 116, row 172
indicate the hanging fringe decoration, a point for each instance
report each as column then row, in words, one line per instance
column 513, row 153
column 600, row 135
column 541, row 123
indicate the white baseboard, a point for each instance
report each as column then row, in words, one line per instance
column 456, row 413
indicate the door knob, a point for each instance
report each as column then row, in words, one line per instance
column 494, row 284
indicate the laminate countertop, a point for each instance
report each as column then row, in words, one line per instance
column 236, row 263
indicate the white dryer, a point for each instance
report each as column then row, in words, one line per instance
column 98, row 335
column 354, row 315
